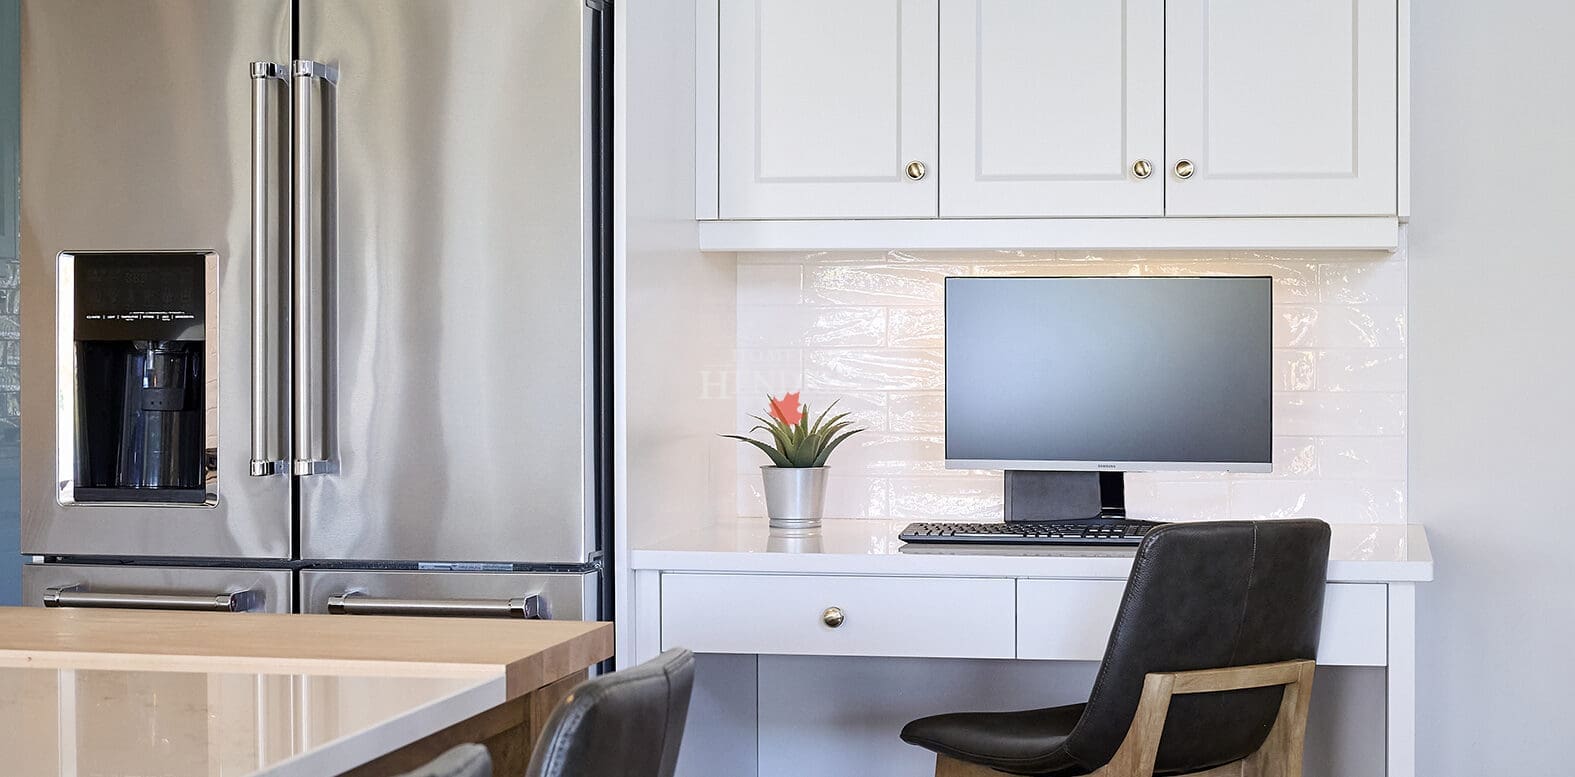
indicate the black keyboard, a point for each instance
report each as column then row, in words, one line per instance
column 1117, row 532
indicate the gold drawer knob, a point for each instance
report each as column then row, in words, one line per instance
column 1142, row 169
column 915, row 170
column 1185, row 169
column 833, row 617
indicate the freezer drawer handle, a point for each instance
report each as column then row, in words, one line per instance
column 73, row 596
column 533, row 607
column 267, row 458
column 310, row 316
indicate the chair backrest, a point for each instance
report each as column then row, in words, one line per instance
column 461, row 761
column 1205, row 596
column 625, row 724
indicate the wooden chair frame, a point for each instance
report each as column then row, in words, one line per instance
column 1280, row 755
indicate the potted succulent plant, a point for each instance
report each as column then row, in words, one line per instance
column 795, row 479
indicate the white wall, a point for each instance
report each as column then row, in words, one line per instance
column 1492, row 371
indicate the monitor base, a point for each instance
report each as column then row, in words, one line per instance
column 1035, row 495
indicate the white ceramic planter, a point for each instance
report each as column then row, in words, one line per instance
column 795, row 496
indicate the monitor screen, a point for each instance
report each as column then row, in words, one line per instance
column 1125, row 374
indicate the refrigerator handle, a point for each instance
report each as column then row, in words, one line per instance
column 309, row 317
column 267, row 456
column 532, row 607
column 73, row 596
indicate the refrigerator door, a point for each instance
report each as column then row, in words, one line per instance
column 547, row 596
column 206, row 589
column 449, row 413
column 137, row 129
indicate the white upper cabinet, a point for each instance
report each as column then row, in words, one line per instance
column 827, row 109
column 957, row 124
column 1280, row 109
column 1052, row 108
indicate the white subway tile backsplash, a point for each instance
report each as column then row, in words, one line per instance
column 769, row 284
column 947, row 499
column 1367, row 326
column 1362, row 457
column 916, row 327
column 1177, row 500
column 892, row 369
column 1295, row 370
column 889, row 283
column 869, row 328
column 1365, row 283
column 1320, row 413
column 1362, row 369
column 919, row 412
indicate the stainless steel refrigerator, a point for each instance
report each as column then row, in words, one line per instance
column 315, row 307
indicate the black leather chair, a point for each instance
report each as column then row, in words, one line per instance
column 625, row 724
column 1202, row 598
column 462, row 761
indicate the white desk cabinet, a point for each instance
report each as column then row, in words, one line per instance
column 824, row 105
column 1282, row 110
column 926, row 629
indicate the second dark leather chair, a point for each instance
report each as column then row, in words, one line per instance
column 625, row 724
column 1201, row 597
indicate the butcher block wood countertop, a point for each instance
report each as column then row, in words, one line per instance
column 529, row 653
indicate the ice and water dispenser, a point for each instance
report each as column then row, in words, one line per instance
column 140, row 341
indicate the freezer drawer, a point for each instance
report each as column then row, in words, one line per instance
column 557, row 596
column 157, row 588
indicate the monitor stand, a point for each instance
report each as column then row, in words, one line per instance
column 1033, row 495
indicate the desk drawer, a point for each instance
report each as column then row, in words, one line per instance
column 1070, row 620
column 883, row 616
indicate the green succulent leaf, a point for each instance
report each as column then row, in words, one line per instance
column 777, row 457
column 820, row 460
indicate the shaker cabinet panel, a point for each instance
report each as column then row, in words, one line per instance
column 1047, row 108
column 1283, row 112
column 823, row 105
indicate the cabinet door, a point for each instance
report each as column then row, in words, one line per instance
column 1286, row 109
column 823, row 105
column 1048, row 105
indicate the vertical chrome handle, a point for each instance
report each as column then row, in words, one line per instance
column 267, row 456
column 310, row 455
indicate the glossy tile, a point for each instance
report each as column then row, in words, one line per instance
column 1359, row 283
column 947, row 499
column 869, row 326
column 1362, row 457
column 1362, row 369
column 795, row 325
column 861, row 369
column 916, row 327
column 917, row 412
column 1317, row 413
column 877, row 284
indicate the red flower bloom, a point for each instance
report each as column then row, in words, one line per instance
column 787, row 409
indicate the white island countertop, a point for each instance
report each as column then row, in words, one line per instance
column 1358, row 553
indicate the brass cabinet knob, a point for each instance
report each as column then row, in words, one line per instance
column 1185, row 169
column 915, row 169
column 833, row 617
column 1142, row 169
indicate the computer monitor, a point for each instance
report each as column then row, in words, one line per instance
column 1106, row 375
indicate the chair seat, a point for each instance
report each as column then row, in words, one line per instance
column 1027, row 742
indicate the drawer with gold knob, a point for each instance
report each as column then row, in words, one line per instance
column 839, row 615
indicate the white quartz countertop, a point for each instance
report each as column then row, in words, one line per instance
column 1358, row 553
column 62, row 721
